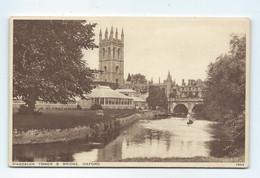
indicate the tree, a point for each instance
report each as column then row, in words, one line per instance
column 225, row 85
column 157, row 97
column 138, row 79
column 96, row 107
column 139, row 83
column 47, row 60
column 224, row 94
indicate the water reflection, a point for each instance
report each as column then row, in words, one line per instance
column 163, row 138
column 157, row 138
column 51, row 151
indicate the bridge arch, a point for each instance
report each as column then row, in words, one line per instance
column 191, row 104
column 180, row 109
column 197, row 109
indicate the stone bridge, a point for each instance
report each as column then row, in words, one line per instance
column 190, row 103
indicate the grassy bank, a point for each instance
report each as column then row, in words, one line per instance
column 61, row 119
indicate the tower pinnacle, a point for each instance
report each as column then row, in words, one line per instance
column 100, row 35
column 106, row 34
column 116, row 34
column 122, row 35
column 111, row 36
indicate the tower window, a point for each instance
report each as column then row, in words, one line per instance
column 114, row 52
column 109, row 51
column 105, row 68
column 117, row 69
column 118, row 52
column 116, row 80
column 104, row 52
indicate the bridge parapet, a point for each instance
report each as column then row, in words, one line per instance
column 185, row 99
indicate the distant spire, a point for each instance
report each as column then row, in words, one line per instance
column 159, row 80
column 169, row 77
column 106, row 34
column 100, row 35
column 116, row 34
column 122, row 35
column 111, row 33
column 152, row 80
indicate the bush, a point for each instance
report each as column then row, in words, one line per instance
column 96, row 107
column 25, row 110
column 79, row 107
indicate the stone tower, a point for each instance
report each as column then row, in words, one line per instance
column 111, row 57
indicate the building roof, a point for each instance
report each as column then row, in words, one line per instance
column 77, row 98
column 126, row 90
column 138, row 99
column 106, row 92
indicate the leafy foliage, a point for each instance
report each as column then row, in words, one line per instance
column 157, row 97
column 96, row 107
column 138, row 78
column 139, row 83
column 47, row 60
column 224, row 93
column 23, row 110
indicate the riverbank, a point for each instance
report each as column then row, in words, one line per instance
column 72, row 128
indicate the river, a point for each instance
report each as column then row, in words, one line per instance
column 163, row 138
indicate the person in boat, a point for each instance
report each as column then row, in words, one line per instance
column 190, row 120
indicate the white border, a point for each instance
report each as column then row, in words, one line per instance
column 138, row 164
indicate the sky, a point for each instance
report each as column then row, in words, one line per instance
column 154, row 46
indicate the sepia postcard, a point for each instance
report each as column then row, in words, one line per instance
column 129, row 92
